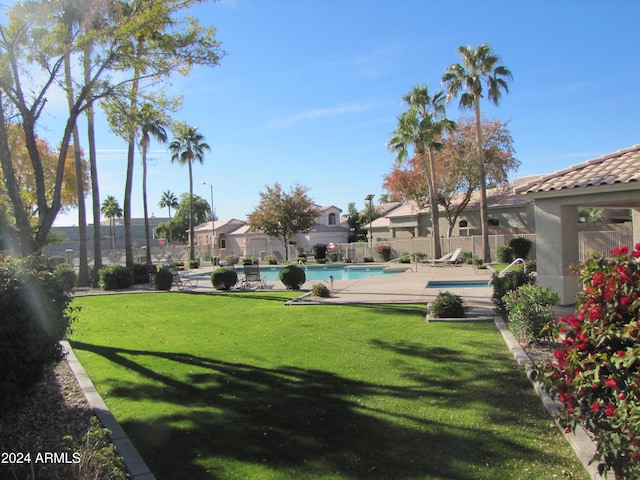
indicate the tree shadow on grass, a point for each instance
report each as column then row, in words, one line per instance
column 296, row 422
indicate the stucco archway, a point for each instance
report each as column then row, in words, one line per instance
column 609, row 181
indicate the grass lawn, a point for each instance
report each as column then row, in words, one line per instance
column 239, row 386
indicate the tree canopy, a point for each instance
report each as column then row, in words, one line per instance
column 283, row 214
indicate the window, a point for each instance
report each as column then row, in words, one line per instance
column 463, row 224
column 332, row 219
column 493, row 222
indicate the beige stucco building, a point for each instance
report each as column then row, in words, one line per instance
column 235, row 237
column 611, row 181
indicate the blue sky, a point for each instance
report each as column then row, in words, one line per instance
column 309, row 92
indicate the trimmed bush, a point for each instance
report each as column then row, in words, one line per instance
column 334, row 256
column 66, row 276
column 271, row 260
column 521, row 247
column 447, row 305
column 141, row 272
column 320, row 290
column 164, row 279
column 231, row 259
column 36, row 315
column 56, row 260
column 224, row 278
column 320, row 251
column 292, row 276
column 508, row 282
column 504, row 254
column 194, row 264
column 531, row 309
column 115, row 277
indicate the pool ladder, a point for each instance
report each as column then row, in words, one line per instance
column 506, row 269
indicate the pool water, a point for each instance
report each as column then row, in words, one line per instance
column 323, row 272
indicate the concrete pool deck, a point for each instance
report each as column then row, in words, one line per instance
column 407, row 287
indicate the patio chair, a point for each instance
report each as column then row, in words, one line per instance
column 184, row 280
column 448, row 259
column 252, row 276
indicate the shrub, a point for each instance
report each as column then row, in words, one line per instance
column 405, row 257
column 447, row 305
column 505, row 254
column 66, row 276
column 271, row 260
column 164, row 279
column 320, row 251
column 115, row 277
column 320, row 290
column 596, row 372
column 530, row 308
column 292, row 276
column 141, row 272
column 97, row 455
column 385, row 252
column 36, row 314
column 224, row 278
column 334, row 256
column 194, row 264
column 368, row 260
column 521, row 247
column 301, row 258
column 508, row 282
column 466, row 258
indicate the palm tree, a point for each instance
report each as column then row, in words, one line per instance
column 151, row 122
column 169, row 200
column 421, row 127
column 189, row 146
column 111, row 209
column 479, row 65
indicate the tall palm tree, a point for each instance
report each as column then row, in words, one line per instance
column 169, row 200
column 151, row 122
column 479, row 65
column 189, row 146
column 111, row 209
column 421, row 128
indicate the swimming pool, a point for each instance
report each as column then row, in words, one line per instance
column 458, row 283
column 323, row 272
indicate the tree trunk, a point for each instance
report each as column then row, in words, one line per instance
column 144, row 203
column 484, row 219
column 93, row 169
column 433, row 204
column 192, row 248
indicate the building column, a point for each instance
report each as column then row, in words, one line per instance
column 635, row 222
column 557, row 248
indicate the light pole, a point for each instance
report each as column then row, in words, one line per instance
column 369, row 198
column 213, row 231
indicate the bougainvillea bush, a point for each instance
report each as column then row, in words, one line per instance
column 596, row 373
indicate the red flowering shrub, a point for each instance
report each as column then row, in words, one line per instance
column 596, row 374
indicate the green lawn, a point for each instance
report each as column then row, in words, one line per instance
column 239, row 386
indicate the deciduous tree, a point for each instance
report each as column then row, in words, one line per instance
column 283, row 215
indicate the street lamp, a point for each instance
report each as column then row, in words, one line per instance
column 213, row 231
column 369, row 198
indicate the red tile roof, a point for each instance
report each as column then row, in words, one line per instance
column 622, row 166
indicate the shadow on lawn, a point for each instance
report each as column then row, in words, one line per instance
column 303, row 423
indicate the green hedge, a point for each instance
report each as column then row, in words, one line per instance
column 36, row 315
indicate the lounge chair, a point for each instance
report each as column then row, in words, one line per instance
column 448, row 259
column 184, row 281
column 252, row 276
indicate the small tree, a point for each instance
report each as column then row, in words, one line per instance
column 283, row 215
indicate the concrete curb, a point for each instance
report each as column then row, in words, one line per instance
column 134, row 463
column 579, row 440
